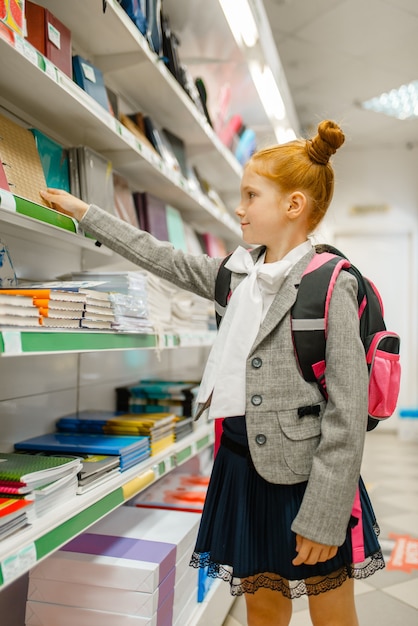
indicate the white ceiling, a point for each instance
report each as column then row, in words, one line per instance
column 335, row 53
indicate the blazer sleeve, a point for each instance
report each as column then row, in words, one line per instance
column 196, row 273
column 326, row 507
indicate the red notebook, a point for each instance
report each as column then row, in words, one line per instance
column 48, row 35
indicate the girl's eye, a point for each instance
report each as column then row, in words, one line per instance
column 251, row 194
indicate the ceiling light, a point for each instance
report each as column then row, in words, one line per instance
column 401, row 103
column 268, row 91
column 241, row 21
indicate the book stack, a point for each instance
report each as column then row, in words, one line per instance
column 65, row 305
column 15, row 513
column 130, row 568
column 18, row 311
column 128, row 295
column 42, row 480
column 157, row 395
column 158, row 427
column 129, row 450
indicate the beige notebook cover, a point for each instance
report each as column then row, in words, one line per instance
column 21, row 161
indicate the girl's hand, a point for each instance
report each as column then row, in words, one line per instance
column 64, row 202
column 310, row 552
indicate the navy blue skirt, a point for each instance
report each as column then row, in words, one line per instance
column 245, row 534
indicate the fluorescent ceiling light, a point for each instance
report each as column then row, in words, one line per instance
column 241, row 21
column 268, row 91
column 401, row 103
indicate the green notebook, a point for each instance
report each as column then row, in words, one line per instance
column 34, row 470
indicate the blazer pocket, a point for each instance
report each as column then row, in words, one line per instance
column 300, row 439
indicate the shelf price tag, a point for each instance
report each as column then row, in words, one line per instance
column 50, row 70
column 7, row 200
column 16, row 565
column 12, row 341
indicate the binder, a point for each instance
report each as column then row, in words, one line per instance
column 48, row 35
column 90, row 79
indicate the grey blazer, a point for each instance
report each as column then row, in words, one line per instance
column 326, row 449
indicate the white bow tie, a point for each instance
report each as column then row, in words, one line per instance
column 224, row 374
column 269, row 275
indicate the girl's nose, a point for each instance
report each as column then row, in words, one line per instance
column 239, row 210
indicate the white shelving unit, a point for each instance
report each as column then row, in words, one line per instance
column 38, row 94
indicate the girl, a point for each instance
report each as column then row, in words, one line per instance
column 278, row 517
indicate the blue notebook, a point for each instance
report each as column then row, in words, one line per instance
column 122, row 445
column 90, row 78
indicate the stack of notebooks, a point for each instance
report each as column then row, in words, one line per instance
column 158, row 427
column 152, row 395
column 128, row 295
column 129, row 450
column 15, row 513
column 18, row 311
column 130, row 568
column 39, row 480
column 66, row 305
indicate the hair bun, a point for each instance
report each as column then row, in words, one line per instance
column 330, row 137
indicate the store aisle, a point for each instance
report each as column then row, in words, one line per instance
column 390, row 597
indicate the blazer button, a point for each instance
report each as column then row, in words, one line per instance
column 260, row 439
column 256, row 362
column 256, row 400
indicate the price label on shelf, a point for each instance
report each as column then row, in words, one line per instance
column 7, row 200
column 12, row 341
column 17, row 564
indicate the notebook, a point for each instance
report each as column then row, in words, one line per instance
column 90, row 79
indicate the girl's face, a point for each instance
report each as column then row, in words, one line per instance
column 262, row 210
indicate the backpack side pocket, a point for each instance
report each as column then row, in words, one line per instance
column 384, row 374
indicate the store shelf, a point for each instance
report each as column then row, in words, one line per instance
column 72, row 117
column 14, row 342
column 21, row 551
column 117, row 47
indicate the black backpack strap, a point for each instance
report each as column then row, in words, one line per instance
column 222, row 290
column 309, row 315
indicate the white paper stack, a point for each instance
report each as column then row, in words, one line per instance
column 131, row 568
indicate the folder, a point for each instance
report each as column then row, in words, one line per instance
column 48, row 35
column 21, row 161
column 90, row 79
column 54, row 159
column 91, row 177
column 155, row 217
column 124, row 201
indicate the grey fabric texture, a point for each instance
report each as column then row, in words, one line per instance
column 325, row 450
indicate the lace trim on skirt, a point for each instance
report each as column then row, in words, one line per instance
column 290, row 589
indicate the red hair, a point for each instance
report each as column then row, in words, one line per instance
column 303, row 165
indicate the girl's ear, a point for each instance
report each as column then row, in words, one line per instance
column 297, row 205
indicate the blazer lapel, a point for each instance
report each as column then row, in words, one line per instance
column 284, row 299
